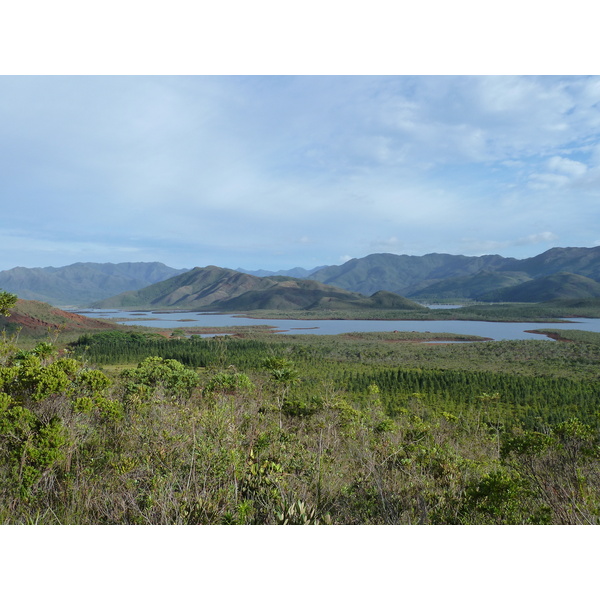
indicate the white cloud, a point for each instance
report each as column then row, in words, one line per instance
column 547, row 181
column 565, row 172
column 482, row 246
column 485, row 118
column 536, row 238
column 567, row 166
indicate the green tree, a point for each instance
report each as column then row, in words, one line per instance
column 7, row 301
column 284, row 377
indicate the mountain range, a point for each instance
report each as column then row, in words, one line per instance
column 559, row 273
column 439, row 277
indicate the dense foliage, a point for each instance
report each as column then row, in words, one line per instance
column 7, row 301
column 297, row 430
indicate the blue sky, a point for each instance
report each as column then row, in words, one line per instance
column 275, row 172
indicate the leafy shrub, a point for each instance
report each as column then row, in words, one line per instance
column 226, row 382
column 502, row 498
column 29, row 446
column 174, row 379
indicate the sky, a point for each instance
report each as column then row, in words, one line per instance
column 275, row 140
column 274, row 172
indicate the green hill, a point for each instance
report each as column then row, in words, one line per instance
column 559, row 286
column 311, row 295
column 194, row 289
column 213, row 288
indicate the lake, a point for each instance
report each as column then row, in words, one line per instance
column 495, row 331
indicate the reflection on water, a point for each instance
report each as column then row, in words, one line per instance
column 495, row 331
column 446, row 306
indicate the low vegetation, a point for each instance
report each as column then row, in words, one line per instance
column 543, row 312
column 134, row 428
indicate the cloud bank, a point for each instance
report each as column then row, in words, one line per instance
column 277, row 172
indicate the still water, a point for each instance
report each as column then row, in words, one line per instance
column 495, row 331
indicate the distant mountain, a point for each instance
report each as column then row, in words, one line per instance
column 80, row 284
column 35, row 319
column 214, row 288
column 559, row 286
column 297, row 272
column 404, row 274
column 443, row 276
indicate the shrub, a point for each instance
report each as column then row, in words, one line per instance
column 174, row 379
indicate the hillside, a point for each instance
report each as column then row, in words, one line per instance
column 579, row 261
column 311, row 295
column 197, row 288
column 37, row 319
column 472, row 286
column 213, row 288
column 80, row 284
column 559, row 286
column 404, row 274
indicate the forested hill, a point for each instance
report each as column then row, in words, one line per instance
column 447, row 276
column 214, row 288
column 80, row 284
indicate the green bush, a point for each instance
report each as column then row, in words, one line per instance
column 226, row 382
column 174, row 379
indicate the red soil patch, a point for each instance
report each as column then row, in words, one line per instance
column 48, row 317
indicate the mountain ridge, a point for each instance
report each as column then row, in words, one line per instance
column 401, row 273
column 214, row 288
